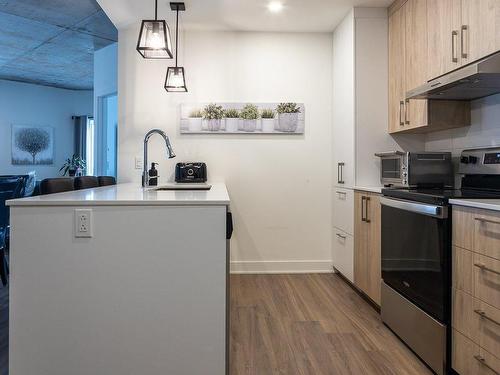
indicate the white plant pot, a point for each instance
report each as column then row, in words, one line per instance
column 249, row 125
column 268, row 125
column 232, row 125
column 288, row 122
column 194, row 124
column 214, row 125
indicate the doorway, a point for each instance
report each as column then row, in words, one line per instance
column 106, row 161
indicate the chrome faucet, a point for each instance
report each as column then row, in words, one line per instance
column 170, row 154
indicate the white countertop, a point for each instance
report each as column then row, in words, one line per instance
column 371, row 189
column 130, row 194
column 487, row 204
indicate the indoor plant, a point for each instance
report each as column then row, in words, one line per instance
column 267, row 120
column 249, row 114
column 288, row 116
column 232, row 119
column 72, row 166
column 213, row 114
column 194, row 120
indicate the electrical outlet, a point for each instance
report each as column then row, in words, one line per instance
column 83, row 223
column 138, row 162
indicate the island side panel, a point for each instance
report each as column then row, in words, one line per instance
column 145, row 295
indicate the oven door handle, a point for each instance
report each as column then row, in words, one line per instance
column 440, row 212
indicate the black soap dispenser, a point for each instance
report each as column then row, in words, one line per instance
column 153, row 175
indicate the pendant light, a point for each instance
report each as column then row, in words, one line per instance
column 176, row 80
column 154, row 38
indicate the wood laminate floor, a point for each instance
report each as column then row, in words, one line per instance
column 310, row 325
column 297, row 325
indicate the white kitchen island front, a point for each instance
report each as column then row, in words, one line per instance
column 146, row 294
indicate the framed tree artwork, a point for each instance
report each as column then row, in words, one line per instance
column 32, row 145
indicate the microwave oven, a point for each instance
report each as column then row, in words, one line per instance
column 416, row 169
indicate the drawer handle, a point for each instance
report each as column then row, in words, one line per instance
column 482, row 220
column 341, row 192
column 482, row 361
column 341, row 236
column 484, row 268
column 482, row 314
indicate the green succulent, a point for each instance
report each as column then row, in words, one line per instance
column 250, row 112
column 287, row 108
column 267, row 113
column 231, row 113
column 213, row 112
column 196, row 113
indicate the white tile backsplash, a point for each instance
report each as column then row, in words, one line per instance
column 483, row 132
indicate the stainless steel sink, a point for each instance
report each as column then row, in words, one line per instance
column 183, row 187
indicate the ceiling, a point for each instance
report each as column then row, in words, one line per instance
column 242, row 15
column 52, row 42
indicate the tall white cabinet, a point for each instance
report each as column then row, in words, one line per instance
column 360, row 95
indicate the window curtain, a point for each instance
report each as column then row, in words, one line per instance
column 81, row 136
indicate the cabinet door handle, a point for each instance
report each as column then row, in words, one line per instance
column 363, row 199
column 341, row 236
column 454, row 36
column 367, row 203
column 401, row 107
column 482, row 361
column 483, row 220
column 340, row 172
column 483, row 267
column 407, row 104
column 483, row 314
column 462, row 41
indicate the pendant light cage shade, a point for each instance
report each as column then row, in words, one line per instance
column 154, row 40
column 176, row 79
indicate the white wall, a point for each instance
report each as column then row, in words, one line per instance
column 484, row 131
column 27, row 104
column 279, row 185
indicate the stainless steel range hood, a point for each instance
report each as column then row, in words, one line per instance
column 470, row 82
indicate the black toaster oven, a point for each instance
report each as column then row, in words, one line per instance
column 191, row 172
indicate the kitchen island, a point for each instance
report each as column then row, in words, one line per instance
column 138, row 287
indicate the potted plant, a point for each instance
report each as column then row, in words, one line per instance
column 232, row 119
column 72, row 166
column 288, row 117
column 249, row 114
column 267, row 120
column 213, row 114
column 194, row 120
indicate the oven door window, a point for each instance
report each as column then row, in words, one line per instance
column 415, row 258
column 391, row 168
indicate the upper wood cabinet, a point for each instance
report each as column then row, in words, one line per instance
column 409, row 40
column 367, row 244
column 480, row 29
column 443, row 30
column 461, row 32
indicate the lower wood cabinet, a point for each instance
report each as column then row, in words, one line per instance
column 367, row 244
column 476, row 291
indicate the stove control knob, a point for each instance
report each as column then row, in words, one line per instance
column 464, row 160
column 473, row 159
column 405, row 174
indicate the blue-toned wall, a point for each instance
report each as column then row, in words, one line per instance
column 28, row 104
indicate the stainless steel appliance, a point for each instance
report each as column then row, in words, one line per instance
column 411, row 169
column 416, row 256
column 473, row 81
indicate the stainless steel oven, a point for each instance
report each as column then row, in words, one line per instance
column 416, row 274
column 410, row 169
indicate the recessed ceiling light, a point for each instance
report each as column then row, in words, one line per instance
column 275, row 6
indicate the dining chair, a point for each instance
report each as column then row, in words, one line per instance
column 106, row 180
column 86, row 182
column 56, row 185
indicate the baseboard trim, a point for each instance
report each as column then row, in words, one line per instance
column 277, row 266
